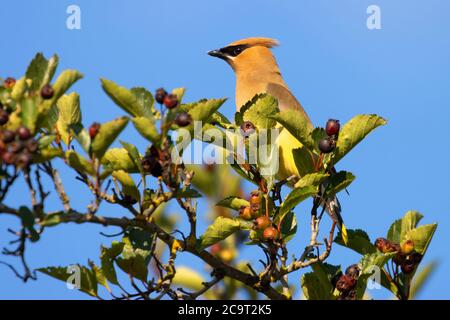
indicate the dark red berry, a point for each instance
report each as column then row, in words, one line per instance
column 183, row 119
column 270, row 234
column 386, row 246
column 170, row 101
column 247, row 128
column 9, row 83
column 8, row 136
column 47, row 92
column 151, row 165
column 94, row 129
column 262, row 222
column 4, row 117
column 160, row 95
column 407, row 267
column 16, row 146
column 353, row 271
column 345, row 283
column 24, row 133
column 326, row 145
column 332, row 127
column 8, row 158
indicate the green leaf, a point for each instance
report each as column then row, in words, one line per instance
column 41, row 71
column 107, row 134
column 79, row 163
column 358, row 240
column 188, row 278
column 19, row 89
column 100, row 276
column 295, row 197
column 298, row 124
column 134, row 261
column 259, row 111
column 46, row 140
column 339, row 182
column 303, row 160
column 188, row 192
column 315, row 286
column 107, row 258
column 119, row 159
column 65, row 80
column 134, row 154
column 288, row 227
column 421, row 236
column 402, row 226
column 421, row 278
column 82, row 136
column 354, row 132
column 128, row 186
column 29, row 114
column 203, row 109
column 233, row 202
column 131, row 102
column 221, row 229
column 88, row 279
column 27, row 217
column 312, row 179
column 145, row 99
column 147, row 129
column 47, row 154
column 68, row 114
column 179, row 92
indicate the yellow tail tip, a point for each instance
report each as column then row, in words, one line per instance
column 344, row 234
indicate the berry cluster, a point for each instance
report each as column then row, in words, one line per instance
column 261, row 222
column 170, row 101
column 346, row 283
column 328, row 144
column 17, row 147
column 406, row 257
column 152, row 162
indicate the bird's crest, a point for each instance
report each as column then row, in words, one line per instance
column 264, row 42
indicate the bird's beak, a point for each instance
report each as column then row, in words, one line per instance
column 217, row 54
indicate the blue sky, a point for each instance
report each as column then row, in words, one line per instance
column 335, row 66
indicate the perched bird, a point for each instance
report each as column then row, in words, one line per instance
column 257, row 72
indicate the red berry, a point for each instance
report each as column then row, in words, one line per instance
column 345, row 283
column 4, row 117
column 332, row 127
column 183, row 119
column 170, row 101
column 262, row 222
column 9, row 83
column 246, row 213
column 160, row 95
column 247, row 128
column 24, row 133
column 47, row 92
column 270, row 233
column 94, row 129
column 326, row 145
column 8, row 136
column 386, row 246
column 353, row 271
column 151, row 165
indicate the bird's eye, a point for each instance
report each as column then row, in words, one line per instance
column 236, row 51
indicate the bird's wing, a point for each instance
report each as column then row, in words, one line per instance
column 286, row 99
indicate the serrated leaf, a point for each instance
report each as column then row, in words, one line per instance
column 233, row 202
column 68, row 114
column 147, row 129
column 145, row 99
column 354, row 132
column 128, row 186
column 203, row 109
column 288, row 227
column 401, row 226
column 295, row 197
column 298, row 124
column 65, row 80
column 41, row 71
column 312, row 179
column 221, row 229
column 124, row 98
column 315, row 287
column 107, row 258
column 304, row 160
column 258, row 111
column 79, row 163
column 29, row 114
column 88, row 279
column 339, row 182
column 358, row 240
column 421, row 236
column 108, row 132
column 133, row 153
column 119, row 159
column 82, row 136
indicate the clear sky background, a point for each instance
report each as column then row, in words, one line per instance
column 335, row 66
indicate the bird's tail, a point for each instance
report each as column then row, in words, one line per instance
column 333, row 208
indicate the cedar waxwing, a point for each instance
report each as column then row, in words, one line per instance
column 257, row 72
